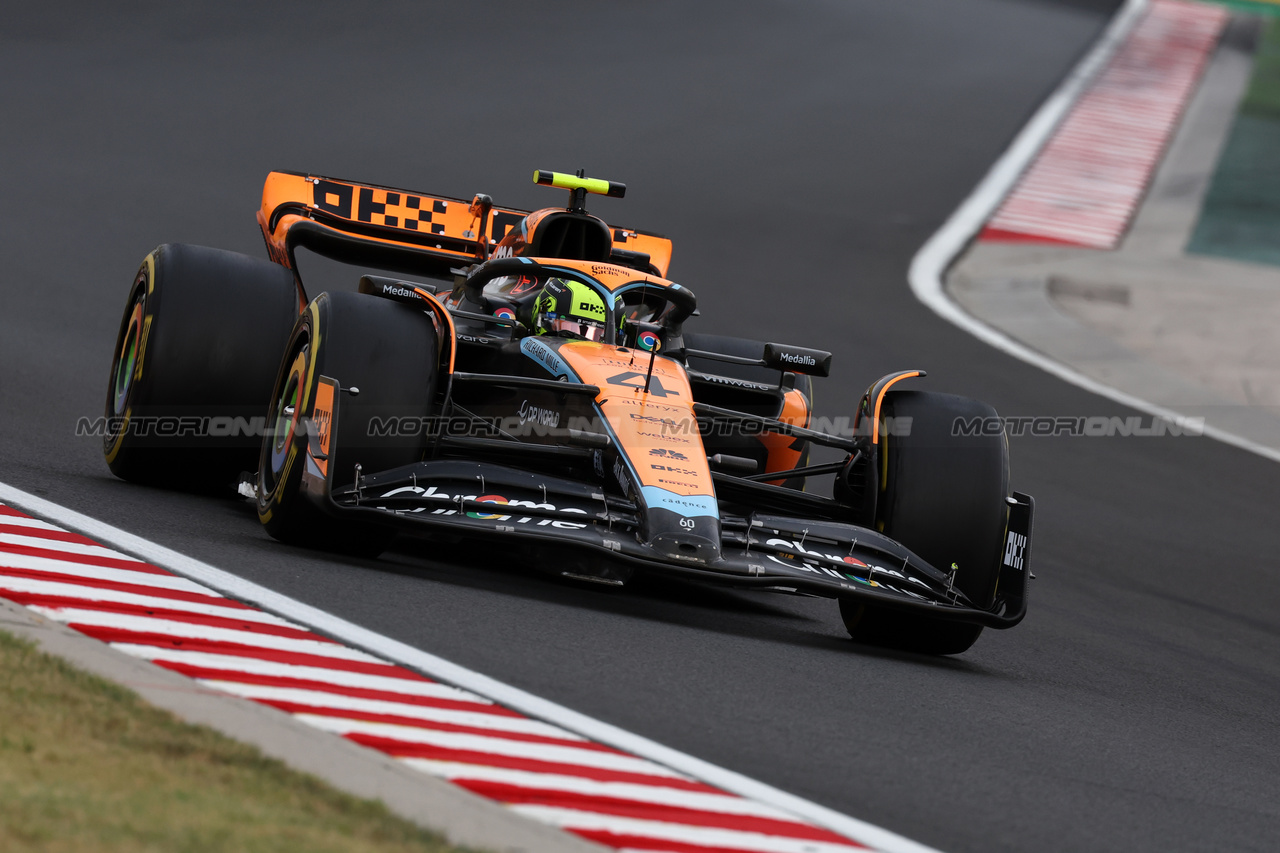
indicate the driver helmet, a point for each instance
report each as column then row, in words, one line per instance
column 570, row 309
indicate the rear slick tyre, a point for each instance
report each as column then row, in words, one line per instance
column 943, row 496
column 194, row 361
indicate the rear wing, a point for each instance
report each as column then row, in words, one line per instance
column 399, row 230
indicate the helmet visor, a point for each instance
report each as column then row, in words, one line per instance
column 577, row 327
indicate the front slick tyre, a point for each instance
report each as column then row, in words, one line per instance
column 388, row 353
column 943, row 497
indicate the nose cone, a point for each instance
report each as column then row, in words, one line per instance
column 686, row 539
column 686, row 547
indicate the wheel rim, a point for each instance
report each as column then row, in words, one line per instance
column 127, row 362
column 285, row 414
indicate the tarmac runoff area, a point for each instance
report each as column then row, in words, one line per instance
column 1193, row 334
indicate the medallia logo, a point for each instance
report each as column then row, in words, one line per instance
column 398, row 290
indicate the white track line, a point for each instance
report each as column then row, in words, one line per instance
column 930, row 264
column 434, row 667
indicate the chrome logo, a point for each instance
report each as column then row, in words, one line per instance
column 487, row 499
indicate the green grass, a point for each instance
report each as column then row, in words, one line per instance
column 1256, row 7
column 1262, row 98
column 86, row 765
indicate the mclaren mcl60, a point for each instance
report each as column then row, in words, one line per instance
column 528, row 376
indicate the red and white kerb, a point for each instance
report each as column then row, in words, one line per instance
column 1085, row 185
column 542, row 771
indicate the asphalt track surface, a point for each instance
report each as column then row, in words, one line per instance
column 799, row 153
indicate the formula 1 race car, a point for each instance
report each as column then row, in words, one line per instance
column 546, row 393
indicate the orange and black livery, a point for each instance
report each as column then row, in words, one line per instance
column 496, row 375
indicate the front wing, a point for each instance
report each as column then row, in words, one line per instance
column 489, row 502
